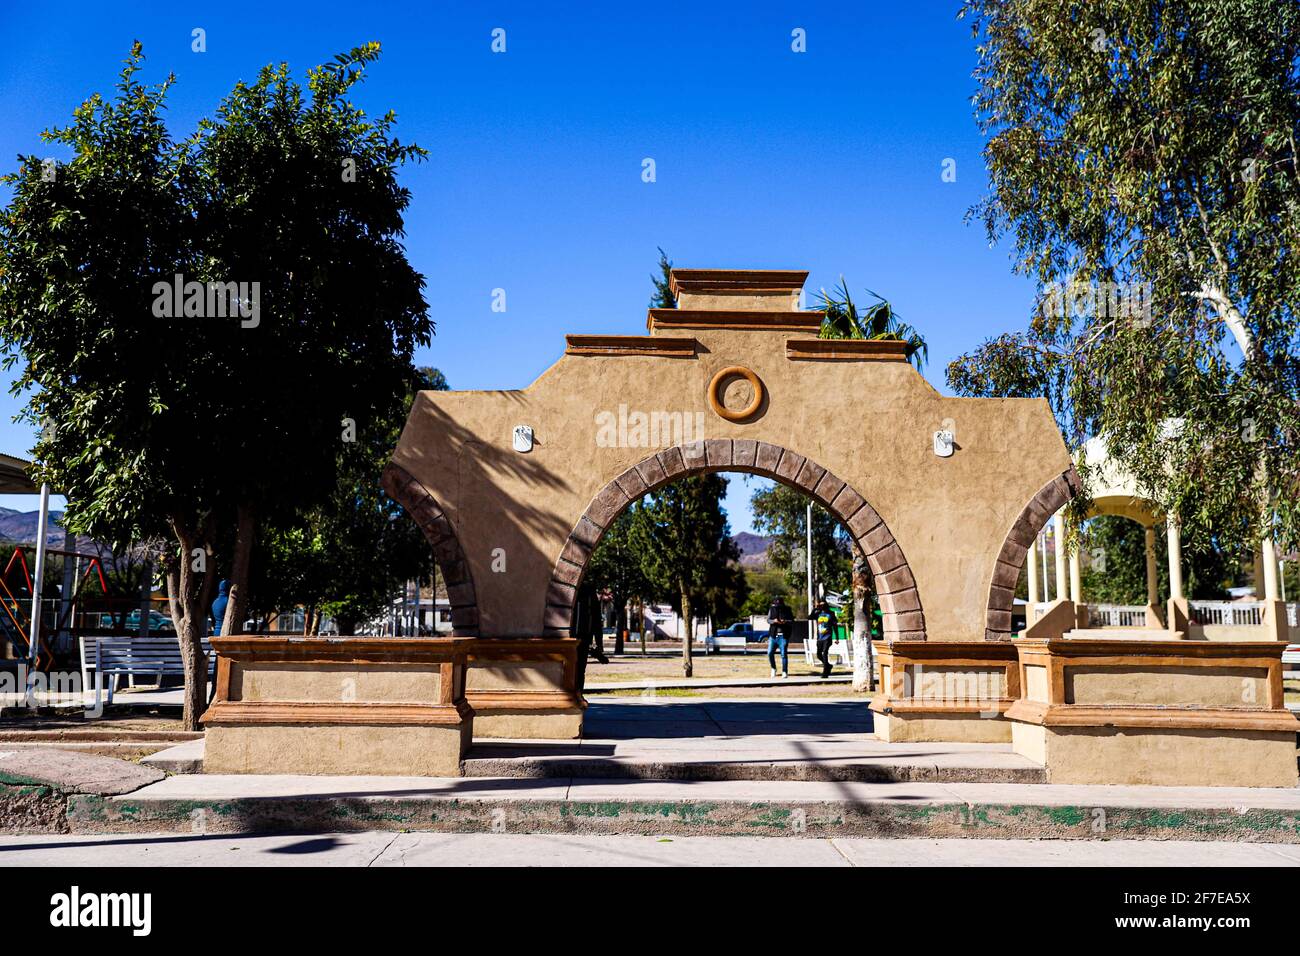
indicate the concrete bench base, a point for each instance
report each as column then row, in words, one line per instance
column 393, row 706
column 523, row 688
column 1169, row 713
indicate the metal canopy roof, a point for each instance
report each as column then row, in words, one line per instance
column 14, row 478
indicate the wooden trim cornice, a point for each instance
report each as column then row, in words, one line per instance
column 736, row 319
column 853, row 350
column 738, row 281
column 353, row 650
column 614, row 345
column 1168, row 717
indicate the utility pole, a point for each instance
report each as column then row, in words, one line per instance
column 42, row 521
column 808, row 552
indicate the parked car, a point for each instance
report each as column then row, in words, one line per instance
column 738, row 635
column 157, row 622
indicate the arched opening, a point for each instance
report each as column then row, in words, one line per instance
column 902, row 614
column 424, row 509
column 1015, row 548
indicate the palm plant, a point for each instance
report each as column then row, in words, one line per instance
column 878, row 321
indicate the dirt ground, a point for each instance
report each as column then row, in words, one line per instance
column 115, row 719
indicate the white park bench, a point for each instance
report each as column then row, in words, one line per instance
column 839, row 651
column 111, row 657
column 716, row 642
column 1290, row 660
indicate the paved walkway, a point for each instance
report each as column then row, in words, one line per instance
column 225, row 787
column 724, row 739
column 503, row 849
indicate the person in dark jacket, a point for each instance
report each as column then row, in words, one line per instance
column 219, row 606
column 780, row 619
column 825, row 622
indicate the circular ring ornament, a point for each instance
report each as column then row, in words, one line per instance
column 715, row 393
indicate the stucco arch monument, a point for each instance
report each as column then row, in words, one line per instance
column 514, row 489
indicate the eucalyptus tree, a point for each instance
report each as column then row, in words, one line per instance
column 1142, row 160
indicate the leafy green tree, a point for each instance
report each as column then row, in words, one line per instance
column 1142, row 158
column 663, row 295
column 878, row 322
column 348, row 556
column 764, row 587
column 191, row 423
column 682, row 535
column 1114, row 565
column 781, row 511
column 615, row 567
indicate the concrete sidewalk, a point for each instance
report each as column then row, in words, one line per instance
column 497, row 849
column 744, row 739
column 198, row 803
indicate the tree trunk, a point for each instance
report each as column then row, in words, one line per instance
column 620, row 623
column 237, row 608
column 863, row 669
column 640, row 620
column 688, row 666
column 189, row 595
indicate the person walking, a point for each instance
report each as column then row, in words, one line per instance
column 825, row 622
column 780, row 619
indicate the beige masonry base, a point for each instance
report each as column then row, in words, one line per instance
column 945, row 691
column 419, row 751
column 1170, row 713
column 356, row 705
column 1162, row 757
column 935, row 727
column 524, row 688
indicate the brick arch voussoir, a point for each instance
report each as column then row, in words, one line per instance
column 900, row 602
column 410, row 493
column 1006, row 570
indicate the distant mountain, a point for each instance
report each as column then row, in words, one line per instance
column 20, row 527
column 753, row 549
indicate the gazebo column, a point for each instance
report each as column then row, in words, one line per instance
column 1154, row 618
column 1031, row 575
column 1175, row 540
column 1269, row 556
column 1076, row 578
column 1275, row 620
column 1058, row 533
column 1179, row 616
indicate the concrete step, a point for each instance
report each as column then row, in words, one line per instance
column 865, row 761
column 200, row 803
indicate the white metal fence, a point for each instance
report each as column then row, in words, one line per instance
column 1236, row 613
column 1117, row 615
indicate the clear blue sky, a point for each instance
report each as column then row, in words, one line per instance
column 828, row 160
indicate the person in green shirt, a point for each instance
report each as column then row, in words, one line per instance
column 825, row 622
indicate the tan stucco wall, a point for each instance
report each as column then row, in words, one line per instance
column 960, row 728
column 1177, row 686
column 336, row 682
column 957, row 682
column 528, row 724
column 525, row 675
column 1203, row 758
column 432, row 751
column 869, row 422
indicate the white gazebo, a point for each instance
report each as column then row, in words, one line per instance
column 1116, row 492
